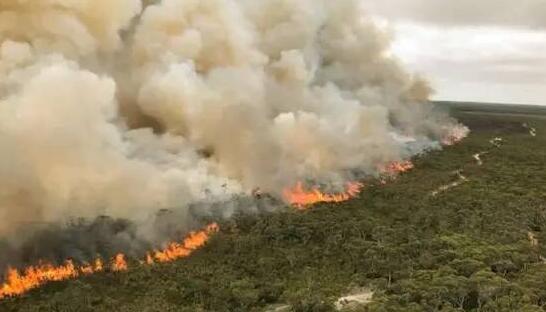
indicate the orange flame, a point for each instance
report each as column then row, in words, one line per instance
column 18, row 283
column 149, row 259
column 396, row 167
column 301, row 198
column 90, row 269
column 175, row 251
column 119, row 263
column 35, row 276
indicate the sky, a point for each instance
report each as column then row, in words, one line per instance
column 472, row 50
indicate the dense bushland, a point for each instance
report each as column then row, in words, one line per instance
column 476, row 247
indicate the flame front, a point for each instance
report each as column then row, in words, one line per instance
column 301, row 198
column 176, row 251
column 35, row 276
column 397, row 167
column 18, row 283
column 90, row 269
column 119, row 263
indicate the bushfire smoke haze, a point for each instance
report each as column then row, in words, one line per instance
column 118, row 108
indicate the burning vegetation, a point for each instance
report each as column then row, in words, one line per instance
column 396, row 168
column 468, row 246
column 302, row 199
column 179, row 105
column 18, row 282
column 158, row 112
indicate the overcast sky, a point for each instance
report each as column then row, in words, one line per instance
column 473, row 50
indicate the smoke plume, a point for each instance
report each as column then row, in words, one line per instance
column 122, row 108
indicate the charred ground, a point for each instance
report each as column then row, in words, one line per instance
column 476, row 247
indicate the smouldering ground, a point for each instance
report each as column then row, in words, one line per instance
column 473, row 247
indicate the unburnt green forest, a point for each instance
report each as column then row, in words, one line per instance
column 475, row 246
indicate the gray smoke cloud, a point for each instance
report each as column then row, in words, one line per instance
column 112, row 107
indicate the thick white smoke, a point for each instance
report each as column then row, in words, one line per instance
column 114, row 108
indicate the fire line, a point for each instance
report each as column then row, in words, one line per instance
column 302, row 198
column 19, row 282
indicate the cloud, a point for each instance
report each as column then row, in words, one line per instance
column 509, row 13
column 486, row 50
column 490, row 64
column 497, row 54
